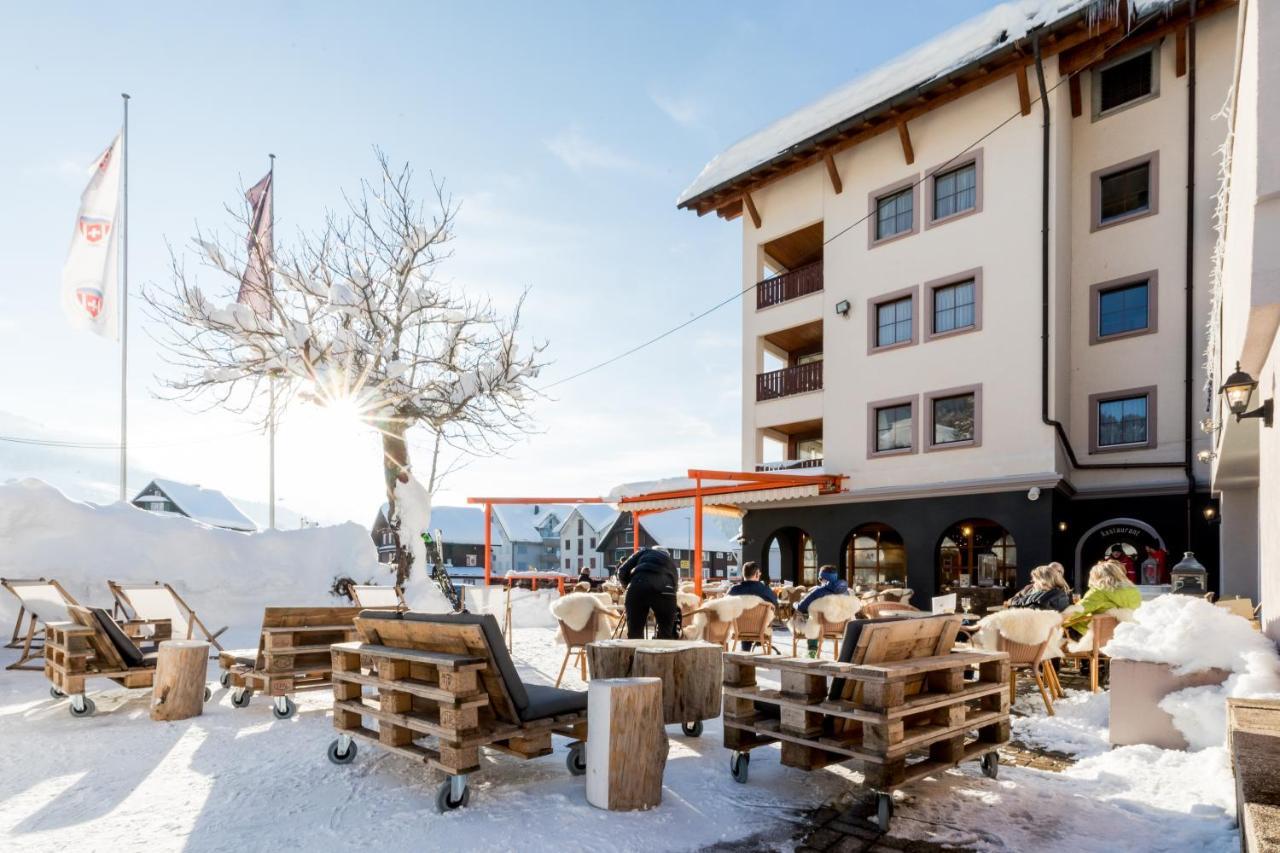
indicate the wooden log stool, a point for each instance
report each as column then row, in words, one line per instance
column 626, row 743
column 179, row 690
column 691, row 672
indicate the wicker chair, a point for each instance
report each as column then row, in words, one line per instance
column 1103, row 628
column 756, row 626
column 876, row 609
column 575, row 643
column 718, row 631
column 1034, row 658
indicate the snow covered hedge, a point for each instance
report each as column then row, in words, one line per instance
column 228, row 577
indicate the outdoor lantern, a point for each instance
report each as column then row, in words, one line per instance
column 1188, row 577
column 1238, row 389
column 842, row 307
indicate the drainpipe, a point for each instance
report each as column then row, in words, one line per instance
column 1190, row 240
column 1058, row 428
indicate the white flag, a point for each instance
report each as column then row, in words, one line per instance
column 89, row 277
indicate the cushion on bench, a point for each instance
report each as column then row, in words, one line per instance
column 129, row 653
column 551, row 702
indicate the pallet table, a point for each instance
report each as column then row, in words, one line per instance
column 904, row 720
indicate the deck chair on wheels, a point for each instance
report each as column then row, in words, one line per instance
column 40, row 602
column 157, row 602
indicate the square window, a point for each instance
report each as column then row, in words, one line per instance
column 954, row 307
column 893, row 322
column 1125, row 82
column 954, row 419
column 893, row 428
column 955, row 191
column 1124, row 192
column 1123, row 309
column 1122, row 421
column 895, row 213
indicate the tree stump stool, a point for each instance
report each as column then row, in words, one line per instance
column 626, row 743
column 691, row 671
column 179, row 686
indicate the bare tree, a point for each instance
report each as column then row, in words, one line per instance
column 357, row 319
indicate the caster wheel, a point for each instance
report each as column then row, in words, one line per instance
column 342, row 757
column 56, row 693
column 284, row 713
column 991, row 765
column 85, row 710
column 884, row 811
column 693, row 729
column 446, row 803
column 240, row 698
column 576, row 761
column 739, row 763
column 208, row 694
column 225, row 679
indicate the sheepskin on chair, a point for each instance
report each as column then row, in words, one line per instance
column 1023, row 625
column 832, row 608
column 1085, row 644
column 687, row 601
column 726, row 609
column 575, row 610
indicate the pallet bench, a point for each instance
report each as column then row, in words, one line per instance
column 911, row 714
column 292, row 655
column 442, row 687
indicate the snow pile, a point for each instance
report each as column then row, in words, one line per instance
column 413, row 505
column 1192, row 635
column 1079, row 727
column 227, row 576
column 529, row 608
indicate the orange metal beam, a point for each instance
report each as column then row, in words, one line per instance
column 535, row 500
column 697, row 538
column 488, row 544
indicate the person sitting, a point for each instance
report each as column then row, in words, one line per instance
column 584, row 575
column 752, row 585
column 832, row 584
column 1048, row 590
column 651, row 579
column 1109, row 589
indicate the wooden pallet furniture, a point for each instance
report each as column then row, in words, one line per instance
column 445, row 687
column 160, row 605
column 371, row 596
column 92, row 645
column 40, row 601
column 292, row 655
column 897, row 705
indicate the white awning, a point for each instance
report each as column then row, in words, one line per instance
column 735, row 499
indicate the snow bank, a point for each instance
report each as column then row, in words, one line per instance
column 1191, row 635
column 413, row 505
column 227, row 576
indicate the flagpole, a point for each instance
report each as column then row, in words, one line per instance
column 271, row 428
column 124, row 306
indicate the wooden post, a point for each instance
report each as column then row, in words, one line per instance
column 626, row 743
column 488, row 543
column 179, row 683
column 691, row 673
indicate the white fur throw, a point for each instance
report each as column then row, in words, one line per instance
column 1023, row 625
column 575, row 610
column 832, row 608
column 687, row 601
column 1084, row 645
column 724, row 609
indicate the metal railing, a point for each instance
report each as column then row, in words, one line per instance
column 789, row 464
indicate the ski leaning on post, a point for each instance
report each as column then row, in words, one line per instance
column 435, row 554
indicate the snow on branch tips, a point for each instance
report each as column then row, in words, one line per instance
column 354, row 314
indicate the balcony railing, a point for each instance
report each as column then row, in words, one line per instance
column 789, row 464
column 789, row 380
column 801, row 281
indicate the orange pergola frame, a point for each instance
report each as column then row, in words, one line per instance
column 739, row 482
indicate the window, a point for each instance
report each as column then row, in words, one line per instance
column 1125, row 191
column 593, row 543
column 876, row 556
column 893, row 428
column 893, row 322
column 579, row 562
column 1125, row 82
column 1123, row 420
column 567, row 544
column 953, row 307
column 894, row 214
column 955, row 191
column 809, row 448
column 579, row 526
column 592, row 562
column 579, row 546
column 566, row 563
column 1123, row 307
column 955, row 418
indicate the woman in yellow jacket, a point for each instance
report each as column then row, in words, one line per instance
column 1109, row 589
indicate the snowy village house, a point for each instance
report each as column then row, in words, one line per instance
column 673, row 530
column 581, row 533
column 208, row 506
column 898, row 296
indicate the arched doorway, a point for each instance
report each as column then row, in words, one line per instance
column 976, row 552
column 1133, row 538
column 875, row 557
column 794, row 554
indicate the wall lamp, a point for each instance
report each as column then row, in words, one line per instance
column 843, row 307
column 1238, row 389
column 1210, row 513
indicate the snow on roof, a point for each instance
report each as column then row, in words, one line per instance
column 947, row 52
column 598, row 516
column 521, row 521
column 459, row 525
column 674, row 529
column 208, row 506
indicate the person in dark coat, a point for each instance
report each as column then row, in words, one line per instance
column 584, row 575
column 1048, row 590
column 832, row 584
column 651, row 579
column 752, row 585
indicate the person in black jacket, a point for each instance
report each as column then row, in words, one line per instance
column 1048, row 590
column 651, row 579
column 752, row 585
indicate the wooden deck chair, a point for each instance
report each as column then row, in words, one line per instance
column 159, row 602
column 40, row 602
column 378, row 597
column 1101, row 630
column 448, row 678
column 755, row 625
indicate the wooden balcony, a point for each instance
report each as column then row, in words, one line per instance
column 789, row 464
column 801, row 281
column 789, row 380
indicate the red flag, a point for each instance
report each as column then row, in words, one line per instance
column 255, row 284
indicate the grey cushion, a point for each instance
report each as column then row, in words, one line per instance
column 129, row 653
column 551, row 701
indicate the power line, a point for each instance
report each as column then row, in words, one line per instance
column 87, row 445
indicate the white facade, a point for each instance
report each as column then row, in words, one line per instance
column 580, row 535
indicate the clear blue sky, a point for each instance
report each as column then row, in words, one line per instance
column 566, row 130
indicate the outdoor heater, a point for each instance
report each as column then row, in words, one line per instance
column 1188, row 577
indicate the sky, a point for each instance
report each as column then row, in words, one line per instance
column 565, row 131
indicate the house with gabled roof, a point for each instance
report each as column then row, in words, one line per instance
column 580, row 536
column 207, row 506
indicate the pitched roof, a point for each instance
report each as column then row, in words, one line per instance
column 458, row 525
column 208, row 506
column 970, row 42
column 599, row 516
column 674, row 529
column 521, row 521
